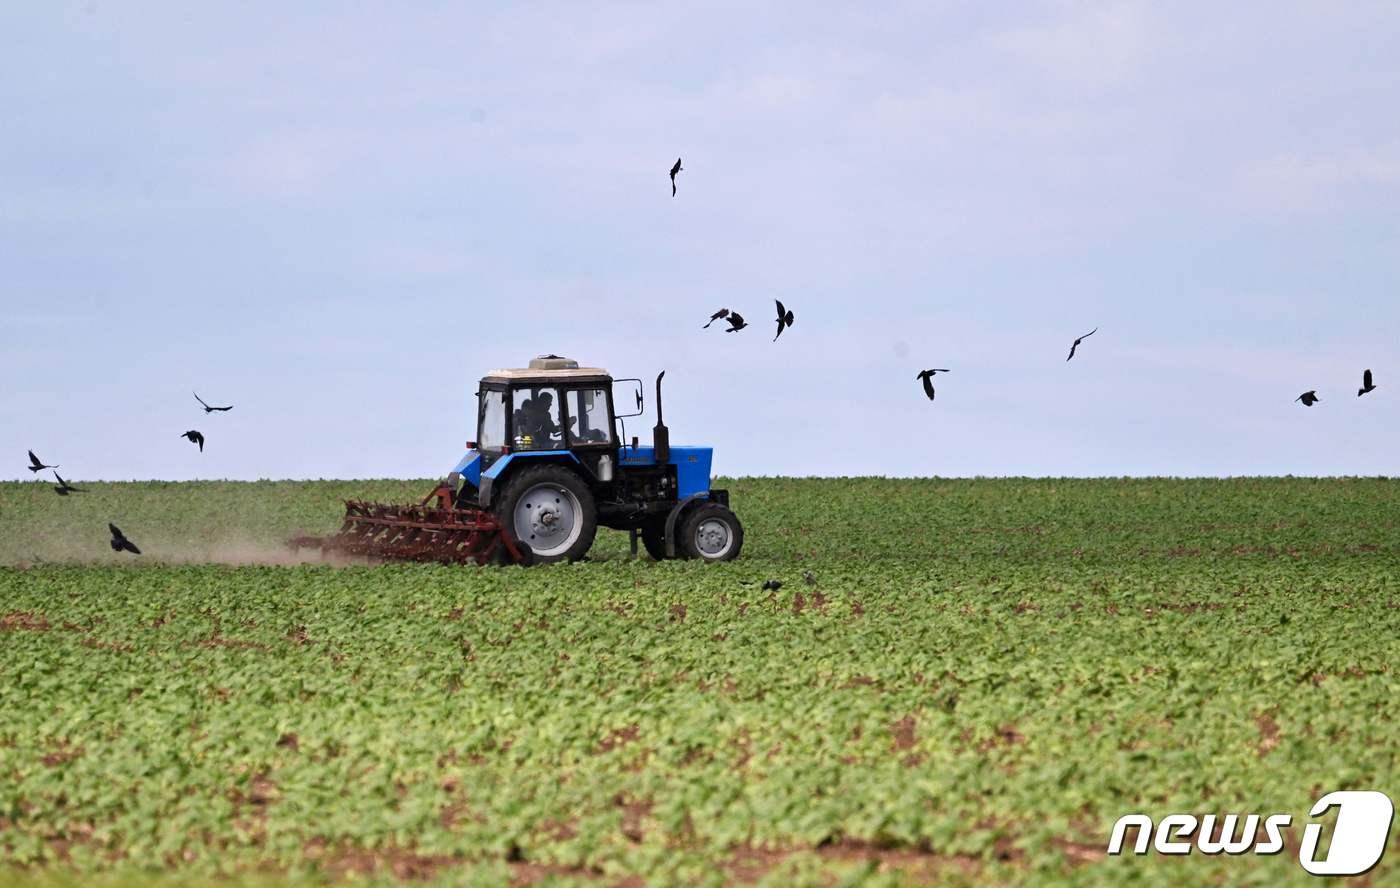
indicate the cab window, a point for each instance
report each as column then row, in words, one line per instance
column 535, row 418
column 491, row 424
column 588, row 417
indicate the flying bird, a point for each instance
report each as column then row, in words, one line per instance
column 208, row 409
column 784, row 319
column 35, row 465
column 675, row 169
column 63, row 488
column 1366, row 386
column 195, row 438
column 121, row 543
column 1079, row 340
column 927, row 377
column 736, row 322
column 1308, row 398
column 722, row 313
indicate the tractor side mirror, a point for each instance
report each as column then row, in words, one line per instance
column 471, row 445
column 636, row 397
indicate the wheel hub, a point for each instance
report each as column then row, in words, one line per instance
column 547, row 517
column 712, row 537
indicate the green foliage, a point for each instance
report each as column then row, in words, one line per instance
column 985, row 675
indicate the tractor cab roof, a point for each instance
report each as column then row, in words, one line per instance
column 548, row 368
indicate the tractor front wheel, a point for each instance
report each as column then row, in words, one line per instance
column 550, row 509
column 654, row 538
column 711, row 533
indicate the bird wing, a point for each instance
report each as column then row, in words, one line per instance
column 116, row 531
column 1365, row 380
column 1090, row 333
column 1072, row 348
column 34, row 460
column 736, row 318
column 60, row 479
column 781, row 311
column 200, row 400
column 131, row 547
column 928, row 387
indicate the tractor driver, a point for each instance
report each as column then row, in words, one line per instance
column 546, row 430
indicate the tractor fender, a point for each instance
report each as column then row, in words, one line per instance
column 499, row 469
column 469, row 467
column 674, row 515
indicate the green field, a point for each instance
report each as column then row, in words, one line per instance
column 983, row 677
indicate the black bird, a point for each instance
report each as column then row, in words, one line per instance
column 1079, row 340
column 63, row 488
column 1366, row 386
column 675, row 169
column 1308, row 398
column 120, row 543
column 35, row 465
column 208, row 409
column 784, row 319
column 927, row 377
column 722, row 313
column 195, row 438
column 772, row 585
column 736, row 322
column 810, row 577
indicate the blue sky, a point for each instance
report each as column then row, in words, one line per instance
column 337, row 218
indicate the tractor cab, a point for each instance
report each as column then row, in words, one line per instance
column 552, row 405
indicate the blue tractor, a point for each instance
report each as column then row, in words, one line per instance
column 549, row 466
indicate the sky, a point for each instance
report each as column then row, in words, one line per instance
column 338, row 216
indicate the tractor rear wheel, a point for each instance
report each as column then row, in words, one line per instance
column 711, row 533
column 550, row 509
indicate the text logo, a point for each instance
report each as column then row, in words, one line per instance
column 1358, row 839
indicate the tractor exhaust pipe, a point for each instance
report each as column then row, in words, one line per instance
column 660, row 435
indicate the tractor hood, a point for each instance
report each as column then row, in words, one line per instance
column 692, row 465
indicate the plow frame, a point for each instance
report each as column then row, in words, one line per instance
column 424, row 531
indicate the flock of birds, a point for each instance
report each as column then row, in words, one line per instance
column 1368, row 385
column 119, row 542
column 737, row 323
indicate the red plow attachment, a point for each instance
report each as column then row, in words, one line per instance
column 421, row 532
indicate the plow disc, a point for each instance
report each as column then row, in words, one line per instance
column 420, row 532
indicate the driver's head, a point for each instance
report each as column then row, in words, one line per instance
column 545, row 399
